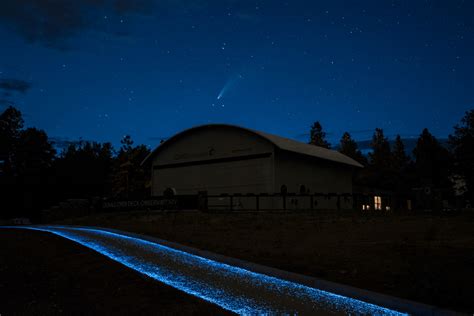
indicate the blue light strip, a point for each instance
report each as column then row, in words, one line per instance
column 232, row 288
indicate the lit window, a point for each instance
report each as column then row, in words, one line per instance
column 387, row 208
column 377, row 202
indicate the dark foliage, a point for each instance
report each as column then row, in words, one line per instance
column 400, row 160
column 83, row 170
column 378, row 171
column 27, row 157
column 462, row 144
column 11, row 125
column 349, row 147
column 379, row 158
column 318, row 136
column 433, row 163
column 33, row 177
column 129, row 179
column 401, row 168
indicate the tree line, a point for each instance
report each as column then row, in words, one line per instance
column 449, row 169
column 34, row 176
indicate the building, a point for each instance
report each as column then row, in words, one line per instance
column 219, row 159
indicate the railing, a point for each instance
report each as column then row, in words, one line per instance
column 153, row 203
column 262, row 202
column 291, row 201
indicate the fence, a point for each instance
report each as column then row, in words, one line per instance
column 155, row 203
column 334, row 201
column 277, row 202
column 261, row 202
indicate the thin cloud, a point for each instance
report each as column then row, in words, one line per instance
column 8, row 86
column 53, row 22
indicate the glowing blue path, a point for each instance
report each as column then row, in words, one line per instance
column 231, row 288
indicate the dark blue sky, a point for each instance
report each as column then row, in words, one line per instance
column 100, row 69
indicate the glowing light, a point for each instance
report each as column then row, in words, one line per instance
column 232, row 288
column 229, row 84
column 377, row 202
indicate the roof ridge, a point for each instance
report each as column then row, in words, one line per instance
column 278, row 141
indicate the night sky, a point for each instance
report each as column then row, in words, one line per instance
column 97, row 70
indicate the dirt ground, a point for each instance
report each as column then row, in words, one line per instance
column 42, row 274
column 425, row 258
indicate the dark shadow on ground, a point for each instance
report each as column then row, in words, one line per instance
column 43, row 274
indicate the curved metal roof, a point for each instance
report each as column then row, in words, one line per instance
column 278, row 141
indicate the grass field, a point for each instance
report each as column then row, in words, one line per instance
column 426, row 258
column 42, row 274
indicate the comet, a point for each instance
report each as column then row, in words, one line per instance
column 231, row 82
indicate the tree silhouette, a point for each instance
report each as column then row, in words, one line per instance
column 34, row 159
column 432, row 162
column 378, row 173
column 349, row 147
column 33, row 177
column 129, row 178
column 35, row 152
column 11, row 126
column 400, row 160
column 462, row 144
column 84, row 170
column 27, row 159
column 127, row 143
column 402, row 172
column 318, row 136
column 379, row 158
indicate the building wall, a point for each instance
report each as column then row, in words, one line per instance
column 247, row 176
column 225, row 160
column 179, row 164
column 317, row 176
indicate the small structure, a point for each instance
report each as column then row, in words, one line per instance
column 219, row 159
column 21, row 221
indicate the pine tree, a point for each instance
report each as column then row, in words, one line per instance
column 401, row 170
column 318, row 136
column 130, row 179
column 27, row 156
column 400, row 160
column 34, row 158
column 378, row 173
column 462, row 144
column 35, row 152
column 83, row 169
column 379, row 158
column 127, row 143
column 349, row 147
column 432, row 161
column 11, row 126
